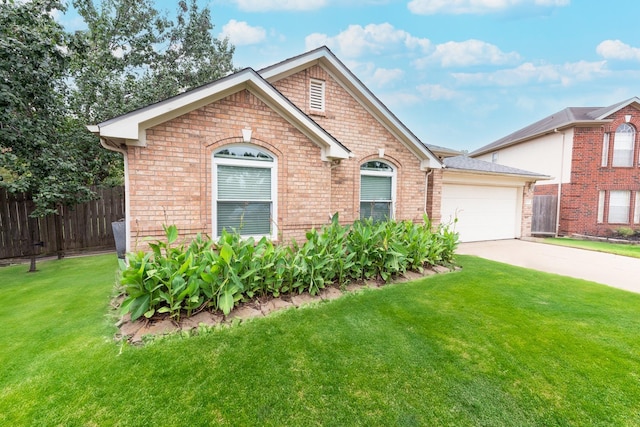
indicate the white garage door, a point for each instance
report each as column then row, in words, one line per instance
column 483, row 212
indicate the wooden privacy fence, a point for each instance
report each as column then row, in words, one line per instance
column 82, row 227
column 545, row 212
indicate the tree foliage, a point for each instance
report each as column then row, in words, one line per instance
column 131, row 56
column 36, row 155
column 53, row 83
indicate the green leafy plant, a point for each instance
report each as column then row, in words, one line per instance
column 175, row 279
column 165, row 280
column 624, row 232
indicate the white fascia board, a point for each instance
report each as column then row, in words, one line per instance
column 325, row 59
column 131, row 128
column 292, row 66
column 476, row 174
column 275, row 100
column 633, row 100
column 378, row 110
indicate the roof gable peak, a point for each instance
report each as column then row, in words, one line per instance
column 330, row 63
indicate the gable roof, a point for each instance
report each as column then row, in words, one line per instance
column 443, row 152
column 326, row 59
column 130, row 128
column 468, row 164
column 569, row 117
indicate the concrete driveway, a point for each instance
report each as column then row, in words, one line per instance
column 612, row 270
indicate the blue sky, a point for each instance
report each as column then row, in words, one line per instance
column 458, row 73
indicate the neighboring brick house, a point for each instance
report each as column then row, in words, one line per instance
column 272, row 153
column 593, row 155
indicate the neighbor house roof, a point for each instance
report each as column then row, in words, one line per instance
column 569, row 117
column 443, row 152
column 324, row 58
column 130, row 128
column 468, row 164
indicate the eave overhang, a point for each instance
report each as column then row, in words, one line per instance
column 130, row 129
column 324, row 58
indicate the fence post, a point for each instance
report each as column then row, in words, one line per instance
column 59, row 234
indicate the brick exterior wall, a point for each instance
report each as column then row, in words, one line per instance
column 527, row 211
column 351, row 124
column 546, row 189
column 171, row 178
column 579, row 198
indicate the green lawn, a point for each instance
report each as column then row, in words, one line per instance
column 612, row 248
column 490, row 345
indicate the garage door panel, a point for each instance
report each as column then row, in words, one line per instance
column 483, row 212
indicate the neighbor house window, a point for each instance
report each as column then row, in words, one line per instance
column 601, row 195
column 494, row 157
column 619, row 203
column 636, row 214
column 244, row 191
column 605, row 150
column 377, row 190
column 316, row 95
column 623, row 143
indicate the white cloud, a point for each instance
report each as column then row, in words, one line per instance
column 315, row 40
column 529, row 73
column 269, row 5
column 241, row 33
column 400, row 99
column 431, row 7
column 356, row 40
column 467, row 53
column 615, row 49
column 384, row 76
column 437, row 92
column 119, row 51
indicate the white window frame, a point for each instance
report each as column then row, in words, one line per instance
column 623, row 157
column 636, row 212
column 605, row 150
column 385, row 173
column 245, row 162
column 317, row 95
column 494, row 157
column 621, row 200
column 601, row 199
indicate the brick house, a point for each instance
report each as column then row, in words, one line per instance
column 593, row 157
column 272, row 153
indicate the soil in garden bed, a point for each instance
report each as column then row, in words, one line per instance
column 134, row 332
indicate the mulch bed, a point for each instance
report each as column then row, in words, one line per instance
column 158, row 325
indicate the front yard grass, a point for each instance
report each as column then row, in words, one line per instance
column 612, row 248
column 490, row 345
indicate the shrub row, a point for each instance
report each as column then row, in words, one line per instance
column 217, row 275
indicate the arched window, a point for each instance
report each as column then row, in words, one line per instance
column 377, row 190
column 623, row 144
column 244, row 191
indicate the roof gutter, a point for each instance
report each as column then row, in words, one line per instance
column 584, row 123
column 122, row 149
column 509, row 175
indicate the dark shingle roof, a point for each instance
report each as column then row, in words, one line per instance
column 562, row 119
column 443, row 151
column 466, row 163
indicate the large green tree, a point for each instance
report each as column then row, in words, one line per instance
column 37, row 153
column 132, row 55
column 53, row 83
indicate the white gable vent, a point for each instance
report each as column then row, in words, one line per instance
column 316, row 95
